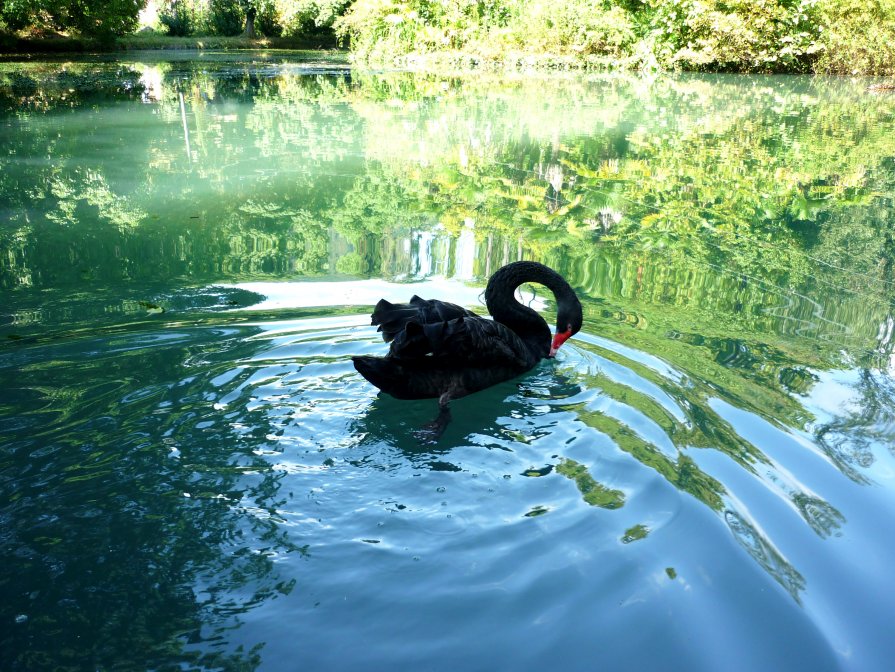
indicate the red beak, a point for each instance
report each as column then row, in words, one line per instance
column 560, row 338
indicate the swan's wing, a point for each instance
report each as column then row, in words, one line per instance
column 392, row 318
column 464, row 341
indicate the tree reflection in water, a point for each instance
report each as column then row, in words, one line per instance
column 734, row 262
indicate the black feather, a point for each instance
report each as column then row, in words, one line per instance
column 439, row 349
column 391, row 318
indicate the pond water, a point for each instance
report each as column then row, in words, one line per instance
column 193, row 476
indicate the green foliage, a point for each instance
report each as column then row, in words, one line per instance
column 583, row 27
column 273, row 18
column 267, row 20
column 182, row 17
column 308, row 17
column 859, row 37
column 706, row 35
column 147, row 41
column 737, row 35
column 227, row 17
column 827, row 36
column 379, row 28
column 103, row 19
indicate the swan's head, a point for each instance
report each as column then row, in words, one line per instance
column 568, row 322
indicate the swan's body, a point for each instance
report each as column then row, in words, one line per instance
column 440, row 350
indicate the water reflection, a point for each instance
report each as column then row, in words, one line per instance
column 192, row 464
column 648, row 412
column 859, row 430
column 128, row 507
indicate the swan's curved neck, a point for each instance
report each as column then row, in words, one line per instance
column 504, row 308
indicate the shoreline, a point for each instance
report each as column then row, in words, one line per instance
column 52, row 46
column 20, row 48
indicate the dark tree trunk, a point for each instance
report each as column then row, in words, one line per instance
column 250, row 23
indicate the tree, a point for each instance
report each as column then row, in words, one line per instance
column 93, row 18
column 235, row 17
column 251, row 12
column 309, row 17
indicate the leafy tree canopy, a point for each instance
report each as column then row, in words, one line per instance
column 94, row 18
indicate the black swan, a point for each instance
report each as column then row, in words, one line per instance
column 440, row 350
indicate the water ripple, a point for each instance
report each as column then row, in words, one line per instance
column 586, row 496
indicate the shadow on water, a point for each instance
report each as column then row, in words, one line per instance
column 495, row 417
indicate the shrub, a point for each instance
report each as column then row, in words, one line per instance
column 737, row 35
column 178, row 17
column 227, row 17
column 267, row 21
column 858, row 37
column 386, row 28
column 379, row 29
column 309, row 17
column 585, row 27
column 103, row 19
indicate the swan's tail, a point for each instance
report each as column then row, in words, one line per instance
column 384, row 374
column 391, row 318
column 401, row 379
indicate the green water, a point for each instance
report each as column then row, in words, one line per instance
column 193, row 476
